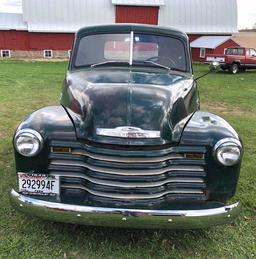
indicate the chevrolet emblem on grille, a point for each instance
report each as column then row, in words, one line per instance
column 128, row 132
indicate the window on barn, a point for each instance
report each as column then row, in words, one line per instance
column 202, row 52
column 5, row 53
column 48, row 53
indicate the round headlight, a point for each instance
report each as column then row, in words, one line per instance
column 28, row 142
column 228, row 151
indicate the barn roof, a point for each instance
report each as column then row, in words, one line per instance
column 12, row 21
column 66, row 15
column 209, row 42
column 191, row 16
column 200, row 16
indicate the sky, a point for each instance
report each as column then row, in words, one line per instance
column 246, row 11
column 10, row 6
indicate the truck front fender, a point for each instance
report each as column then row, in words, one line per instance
column 51, row 122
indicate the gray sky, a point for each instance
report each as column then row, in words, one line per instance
column 246, row 11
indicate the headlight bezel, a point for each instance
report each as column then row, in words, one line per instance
column 224, row 143
column 35, row 134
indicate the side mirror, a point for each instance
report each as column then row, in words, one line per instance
column 214, row 66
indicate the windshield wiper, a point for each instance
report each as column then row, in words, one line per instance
column 109, row 62
column 126, row 62
column 156, row 64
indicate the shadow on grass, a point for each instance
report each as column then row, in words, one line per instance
column 120, row 239
column 226, row 72
column 78, row 241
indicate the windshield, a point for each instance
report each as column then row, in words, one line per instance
column 133, row 49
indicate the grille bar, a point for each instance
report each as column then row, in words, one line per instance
column 132, row 196
column 125, row 178
column 132, row 184
column 142, row 151
column 133, row 160
column 128, row 171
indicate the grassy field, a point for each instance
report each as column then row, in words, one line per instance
column 26, row 86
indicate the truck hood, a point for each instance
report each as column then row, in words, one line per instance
column 127, row 107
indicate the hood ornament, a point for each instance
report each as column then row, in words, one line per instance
column 127, row 132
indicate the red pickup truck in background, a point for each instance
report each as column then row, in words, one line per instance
column 235, row 59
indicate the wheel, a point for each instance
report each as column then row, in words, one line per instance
column 234, row 68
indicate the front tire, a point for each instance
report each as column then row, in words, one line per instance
column 234, row 69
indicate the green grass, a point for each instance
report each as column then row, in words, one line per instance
column 26, row 86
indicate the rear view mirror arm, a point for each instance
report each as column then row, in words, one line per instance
column 213, row 68
column 202, row 75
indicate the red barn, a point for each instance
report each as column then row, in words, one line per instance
column 210, row 45
column 45, row 28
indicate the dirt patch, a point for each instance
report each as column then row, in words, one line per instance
column 221, row 108
column 4, row 134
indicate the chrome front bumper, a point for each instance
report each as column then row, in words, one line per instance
column 128, row 218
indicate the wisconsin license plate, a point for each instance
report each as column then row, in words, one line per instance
column 41, row 184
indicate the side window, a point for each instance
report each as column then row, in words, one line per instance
column 235, row 51
column 202, row 52
column 228, row 52
column 240, row 51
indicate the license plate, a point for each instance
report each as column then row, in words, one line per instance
column 40, row 184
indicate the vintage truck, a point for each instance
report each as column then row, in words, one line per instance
column 235, row 59
column 128, row 146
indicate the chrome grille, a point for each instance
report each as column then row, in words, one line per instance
column 125, row 175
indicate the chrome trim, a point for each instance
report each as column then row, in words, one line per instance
column 212, row 59
column 227, row 142
column 131, row 48
column 126, row 159
column 127, row 132
column 127, row 171
column 131, row 185
column 129, row 196
column 33, row 132
column 120, row 217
